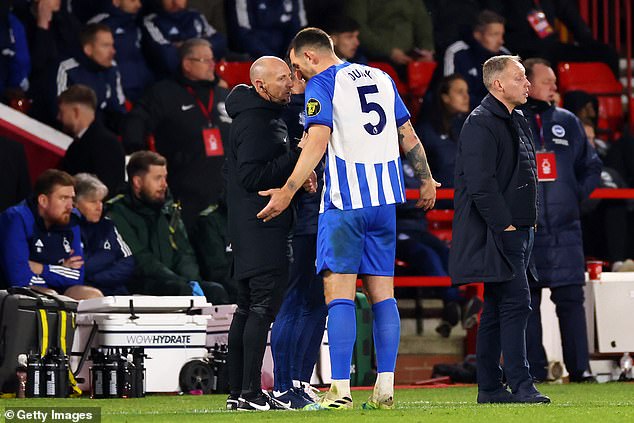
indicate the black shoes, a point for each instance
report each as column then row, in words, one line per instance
column 232, row 401
column 499, row 396
column 532, row 398
column 502, row 396
column 259, row 401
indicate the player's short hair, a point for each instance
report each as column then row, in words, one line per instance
column 494, row 66
column 340, row 24
column 141, row 161
column 485, row 18
column 311, row 37
column 88, row 185
column 88, row 34
column 80, row 94
column 49, row 179
column 187, row 48
column 529, row 65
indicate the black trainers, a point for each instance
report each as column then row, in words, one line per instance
column 232, row 401
column 259, row 401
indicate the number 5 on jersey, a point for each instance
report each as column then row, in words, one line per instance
column 369, row 106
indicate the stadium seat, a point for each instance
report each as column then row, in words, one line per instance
column 595, row 78
column 419, row 76
column 234, row 73
column 389, row 69
column 439, row 223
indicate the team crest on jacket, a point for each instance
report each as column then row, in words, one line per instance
column 558, row 131
column 313, row 107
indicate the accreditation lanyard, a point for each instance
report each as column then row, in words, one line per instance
column 546, row 160
column 211, row 137
column 206, row 111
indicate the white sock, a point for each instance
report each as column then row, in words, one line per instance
column 297, row 384
column 384, row 385
column 341, row 388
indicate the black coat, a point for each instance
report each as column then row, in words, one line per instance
column 99, row 152
column 485, row 182
column 173, row 115
column 259, row 157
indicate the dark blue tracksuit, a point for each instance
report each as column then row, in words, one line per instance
column 109, row 261
column 558, row 248
column 163, row 29
column 126, row 30
column 299, row 326
column 15, row 62
column 265, row 27
column 106, row 82
column 24, row 237
column 466, row 57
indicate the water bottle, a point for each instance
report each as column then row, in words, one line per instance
column 97, row 374
column 138, row 357
column 20, row 373
column 34, row 376
column 111, row 369
column 626, row 366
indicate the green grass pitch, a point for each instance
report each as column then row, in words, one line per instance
column 612, row 402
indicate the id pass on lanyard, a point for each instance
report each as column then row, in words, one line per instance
column 546, row 160
column 537, row 20
column 211, row 138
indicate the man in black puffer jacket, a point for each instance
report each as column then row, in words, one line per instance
column 493, row 229
column 259, row 157
column 558, row 251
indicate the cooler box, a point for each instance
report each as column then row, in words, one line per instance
column 161, row 325
column 614, row 308
column 144, row 304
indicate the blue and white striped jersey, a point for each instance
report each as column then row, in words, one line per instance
column 363, row 109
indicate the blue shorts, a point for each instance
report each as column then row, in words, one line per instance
column 361, row 241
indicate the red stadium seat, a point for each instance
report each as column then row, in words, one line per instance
column 387, row 68
column 419, row 76
column 439, row 223
column 595, row 78
column 234, row 73
column 592, row 77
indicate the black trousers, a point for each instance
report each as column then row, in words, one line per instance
column 572, row 325
column 259, row 300
column 502, row 328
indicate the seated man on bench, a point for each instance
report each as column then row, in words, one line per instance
column 40, row 245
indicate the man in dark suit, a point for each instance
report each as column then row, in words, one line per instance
column 95, row 149
column 493, row 231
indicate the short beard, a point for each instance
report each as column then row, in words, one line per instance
column 152, row 202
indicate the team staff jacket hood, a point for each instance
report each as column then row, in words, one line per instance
column 259, row 158
column 24, row 237
column 558, row 250
column 158, row 240
column 483, row 204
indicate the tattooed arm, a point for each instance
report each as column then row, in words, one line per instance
column 415, row 154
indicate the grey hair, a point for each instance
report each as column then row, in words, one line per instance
column 188, row 47
column 87, row 185
column 494, row 66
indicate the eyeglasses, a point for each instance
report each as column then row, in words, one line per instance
column 202, row 60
